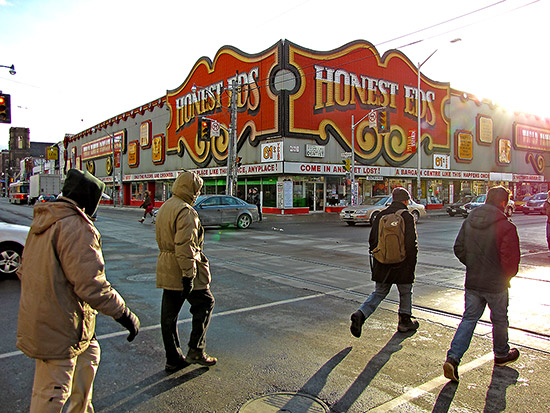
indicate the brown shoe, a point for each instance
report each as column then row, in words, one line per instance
column 357, row 321
column 406, row 324
column 200, row 357
column 178, row 365
column 450, row 369
column 512, row 356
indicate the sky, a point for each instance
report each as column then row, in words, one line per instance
column 80, row 62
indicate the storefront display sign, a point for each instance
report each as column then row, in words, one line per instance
column 504, row 151
column 464, row 144
column 484, row 130
column 529, row 137
column 272, row 151
column 315, row 151
column 442, row 161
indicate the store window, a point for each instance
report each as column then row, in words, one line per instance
column 298, row 194
column 163, row 190
column 269, row 190
column 335, row 190
column 137, row 190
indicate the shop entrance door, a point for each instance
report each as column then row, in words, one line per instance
column 315, row 199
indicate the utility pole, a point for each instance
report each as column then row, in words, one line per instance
column 231, row 182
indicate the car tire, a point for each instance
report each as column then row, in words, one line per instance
column 244, row 221
column 373, row 217
column 10, row 258
column 451, row 214
column 350, row 223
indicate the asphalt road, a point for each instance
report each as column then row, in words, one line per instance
column 284, row 290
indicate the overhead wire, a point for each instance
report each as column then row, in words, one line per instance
column 306, row 68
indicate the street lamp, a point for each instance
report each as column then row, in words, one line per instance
column 418, row 116
column 12, row 69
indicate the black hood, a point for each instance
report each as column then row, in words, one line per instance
column 485, row 215
column 83, row 188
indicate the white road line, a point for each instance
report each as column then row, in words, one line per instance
column 430, row 385
column 223, row 313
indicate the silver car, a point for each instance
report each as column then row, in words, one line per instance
column 225, row 210
column 12, row 242
column 371, row 207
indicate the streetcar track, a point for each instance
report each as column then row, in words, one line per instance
column 352, row 291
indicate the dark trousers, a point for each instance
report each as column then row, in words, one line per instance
column 201, row 305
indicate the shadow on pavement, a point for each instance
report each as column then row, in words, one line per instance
column 135, row 394
column 503, row 377
column 370, row 371
column 445, row 398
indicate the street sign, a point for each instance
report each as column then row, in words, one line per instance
column 372, row 119
column 346, row 155
column 215, row 129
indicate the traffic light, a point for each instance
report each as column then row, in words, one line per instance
column 383, row 121
column 347, row 164
column 5, row 108
column 205, row 125
column 239, row 161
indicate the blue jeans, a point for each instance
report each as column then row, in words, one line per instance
column 381, row 290
column 475, row 303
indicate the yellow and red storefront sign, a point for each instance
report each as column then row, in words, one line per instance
column 289, row 91
column 353, row 80
column 207, row 92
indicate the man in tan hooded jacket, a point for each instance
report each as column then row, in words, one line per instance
column 63, row 285
column 183, row 272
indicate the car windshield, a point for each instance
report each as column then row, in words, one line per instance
column 375, row 200
column 540, row 197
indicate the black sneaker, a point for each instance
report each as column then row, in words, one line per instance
column 357, row 321
column 512, row 356
column 200, row 357
column 172, row 367
column 450, row 369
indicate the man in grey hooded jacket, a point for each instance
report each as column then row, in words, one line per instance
column 488, row 245
column 63, row 285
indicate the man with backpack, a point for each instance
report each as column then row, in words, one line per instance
column 393, row 245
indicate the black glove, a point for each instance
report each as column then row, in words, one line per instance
column 129, row 321
column 187, row 284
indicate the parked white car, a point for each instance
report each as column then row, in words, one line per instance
column 12, row 242
column 371, row 207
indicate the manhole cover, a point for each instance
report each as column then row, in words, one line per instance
column 285, row 402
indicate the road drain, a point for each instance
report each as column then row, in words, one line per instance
column 284, row 402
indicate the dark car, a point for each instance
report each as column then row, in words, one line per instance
column 225, row 210
column 536, row 204
column 474, row 203
column 480, row 200
column 457, row 208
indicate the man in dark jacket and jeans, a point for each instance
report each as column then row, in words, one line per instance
column 488, row 245
column 385, row 275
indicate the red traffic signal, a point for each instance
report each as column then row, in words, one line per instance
column 5, row 108
column 203, row 132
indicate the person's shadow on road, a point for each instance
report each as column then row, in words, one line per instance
column 132, row 396
column 370, row 371
column 503, row 377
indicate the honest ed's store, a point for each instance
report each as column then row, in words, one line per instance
column 295, row 111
